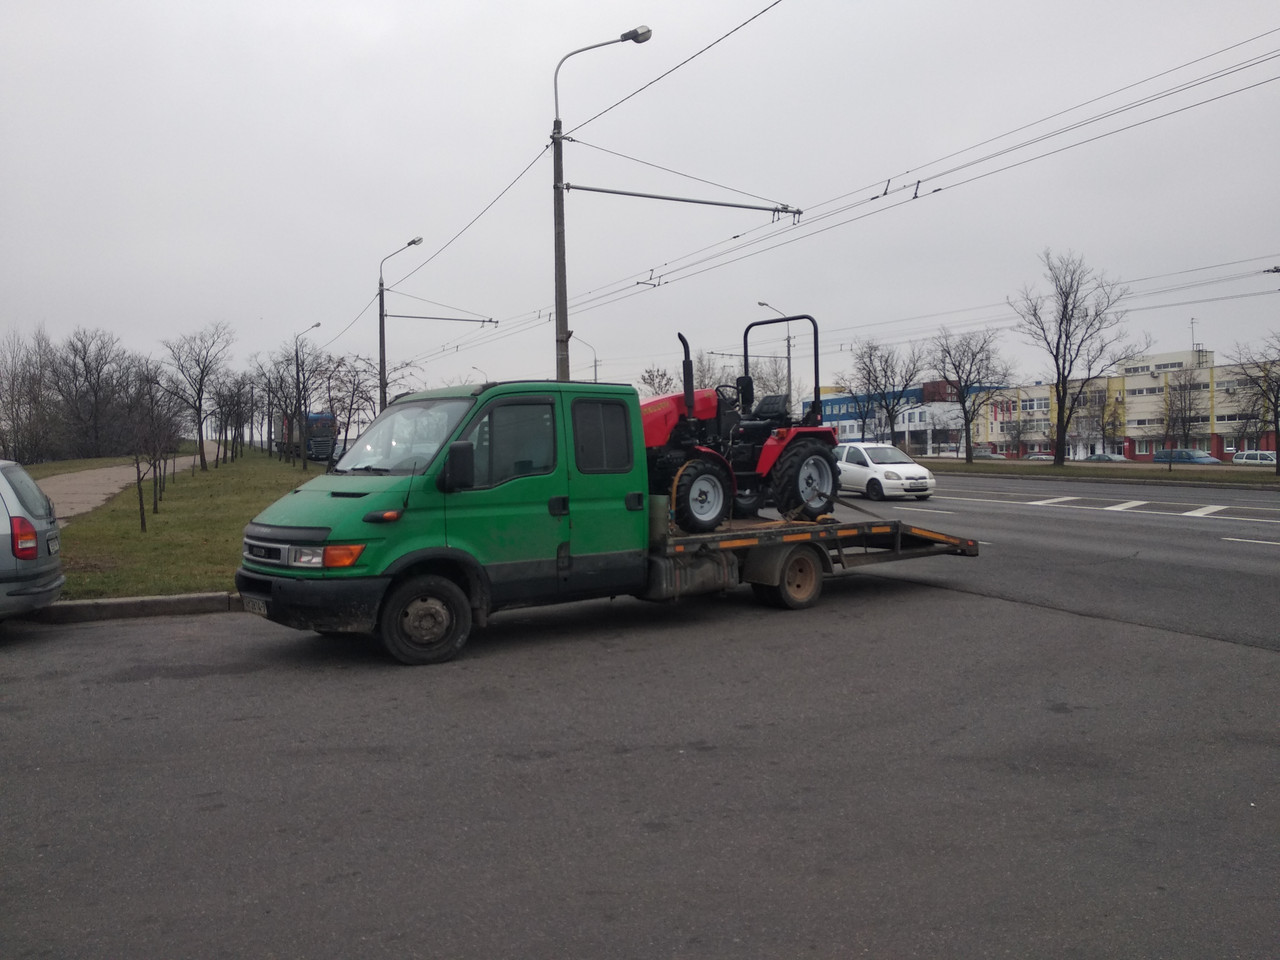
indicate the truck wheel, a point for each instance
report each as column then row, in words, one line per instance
column 801, row 581
column 701, row 496
column 804, row 479
column 426, row 619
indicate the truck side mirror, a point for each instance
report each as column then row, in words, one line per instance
column 459, row 471
column 746, row 395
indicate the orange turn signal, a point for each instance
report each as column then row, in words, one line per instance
column 342, row 555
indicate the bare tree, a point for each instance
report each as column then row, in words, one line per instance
column 28, row 401
column 1186, row 405
column 153, row 417
column 886, row 374
column 88, row 373
column 656, row 382
column 1260, row 370
column 971, row 363
column 194, row 361
column 352, row 394
column 1080, row 327
column 708, row 371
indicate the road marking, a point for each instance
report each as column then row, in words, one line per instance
column 1051, row 500
column 927, row 510
column 1269, row 543
column 1127, row 505
column 1202, row 511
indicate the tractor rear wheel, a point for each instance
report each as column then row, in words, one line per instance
column 805, row 480
column 700, row 496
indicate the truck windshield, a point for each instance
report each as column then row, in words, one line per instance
column 405, row 438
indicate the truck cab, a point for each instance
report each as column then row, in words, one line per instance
column 455, row 503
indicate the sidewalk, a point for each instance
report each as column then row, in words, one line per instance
column 76, row 493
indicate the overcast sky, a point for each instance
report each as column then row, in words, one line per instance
column 166, row 165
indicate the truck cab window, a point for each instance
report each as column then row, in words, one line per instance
column 513, row 440
column 601, row 436
column 405, row 438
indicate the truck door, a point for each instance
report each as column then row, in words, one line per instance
column 515, row 520
column 608, row 500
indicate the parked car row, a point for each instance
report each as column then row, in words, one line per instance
column 31, row 570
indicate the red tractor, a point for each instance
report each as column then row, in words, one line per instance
column 717, row 452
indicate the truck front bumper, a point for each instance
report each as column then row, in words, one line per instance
column 326, row 606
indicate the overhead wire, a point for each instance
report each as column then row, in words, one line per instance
column 778, row 236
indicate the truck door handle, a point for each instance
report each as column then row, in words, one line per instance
column 558, row 506
column 635, row 501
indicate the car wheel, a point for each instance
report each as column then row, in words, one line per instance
column 875, row 491
column 426, row 619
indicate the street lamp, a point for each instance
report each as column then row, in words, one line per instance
column 299, row 413
column 382, row 326
column 761, row 303
column 595, row 358
column 638, row 35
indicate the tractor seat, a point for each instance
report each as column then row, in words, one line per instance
column 775, row 406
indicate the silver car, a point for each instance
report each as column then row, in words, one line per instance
column 31, row 569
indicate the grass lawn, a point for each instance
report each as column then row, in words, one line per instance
column 191, row 546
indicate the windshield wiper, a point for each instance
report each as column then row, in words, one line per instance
column 370, row 469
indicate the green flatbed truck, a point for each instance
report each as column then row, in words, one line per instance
column 460, row 502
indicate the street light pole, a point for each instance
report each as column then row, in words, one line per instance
column 638, row 35
column 761, row 303
column 382, row 326
column 299, row 413
column 595, row 358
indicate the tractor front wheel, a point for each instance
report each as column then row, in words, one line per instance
column 701, row 496
column 805, row 480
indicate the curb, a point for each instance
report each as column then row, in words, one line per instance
column 118, row 608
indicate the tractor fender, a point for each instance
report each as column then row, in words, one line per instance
column 706, row 453
column 782, row 438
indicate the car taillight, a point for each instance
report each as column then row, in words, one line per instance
column 26, row 545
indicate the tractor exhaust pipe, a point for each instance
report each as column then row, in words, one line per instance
column 687, row 371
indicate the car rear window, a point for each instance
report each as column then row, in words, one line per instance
column 32, row 498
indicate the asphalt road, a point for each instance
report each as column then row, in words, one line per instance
column 948, row 758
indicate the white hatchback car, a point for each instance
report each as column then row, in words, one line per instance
column 880, row 470
column 1255, row 458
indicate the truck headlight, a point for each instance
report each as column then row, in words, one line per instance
column 318, row 558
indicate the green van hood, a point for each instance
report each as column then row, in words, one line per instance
column 337, row 502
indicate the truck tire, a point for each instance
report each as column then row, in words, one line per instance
column 805, row 480
column 426, row 619
column 701, row 496
column 800, row 583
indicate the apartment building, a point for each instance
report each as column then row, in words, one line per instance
column 1178, row 399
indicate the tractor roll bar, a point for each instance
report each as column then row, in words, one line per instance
column 815, row 409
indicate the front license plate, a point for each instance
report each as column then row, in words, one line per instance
column 254, row 605
column 917, row 486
